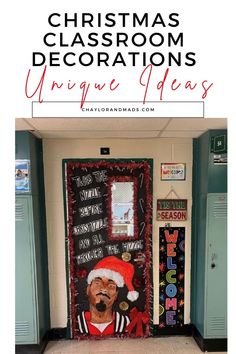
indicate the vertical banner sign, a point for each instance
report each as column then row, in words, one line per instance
column 172, row 257
column 108, row 206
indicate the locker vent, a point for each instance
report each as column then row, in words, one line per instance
column 220, row 208
column 22, row 328
column 19, row 212
column 217, row 324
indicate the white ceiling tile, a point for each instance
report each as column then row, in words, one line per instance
column 64, row 124
column 22, row 124
column 72, row 128
column 98, row 134
column 196, row 124
column 181, row 134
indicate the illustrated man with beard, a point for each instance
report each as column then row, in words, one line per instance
column 108, row 275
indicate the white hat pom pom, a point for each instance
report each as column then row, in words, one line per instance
column 133, row 295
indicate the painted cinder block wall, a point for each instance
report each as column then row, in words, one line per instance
column 160, row 150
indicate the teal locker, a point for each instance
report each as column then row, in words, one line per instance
column 216, row 267
column 26, row 301
column 32, row 314
column 209, row 246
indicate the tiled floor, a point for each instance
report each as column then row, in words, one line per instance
column 163, row 345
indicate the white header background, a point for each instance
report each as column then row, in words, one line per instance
column 207, row 31
column 207, row 28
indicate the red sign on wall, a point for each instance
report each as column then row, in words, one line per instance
column 171, row 209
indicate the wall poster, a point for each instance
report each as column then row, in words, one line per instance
column 173, row 171
column 108, row 207
column 22, row 176
column 172, row 260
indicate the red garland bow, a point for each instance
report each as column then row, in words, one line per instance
column 137, row 319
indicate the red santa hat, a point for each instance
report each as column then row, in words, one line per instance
column 117, row 270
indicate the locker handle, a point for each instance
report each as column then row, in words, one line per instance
column 213, row 265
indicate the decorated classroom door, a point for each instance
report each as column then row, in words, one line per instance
column 108, row 206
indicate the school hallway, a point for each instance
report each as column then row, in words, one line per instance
column 121, row 236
